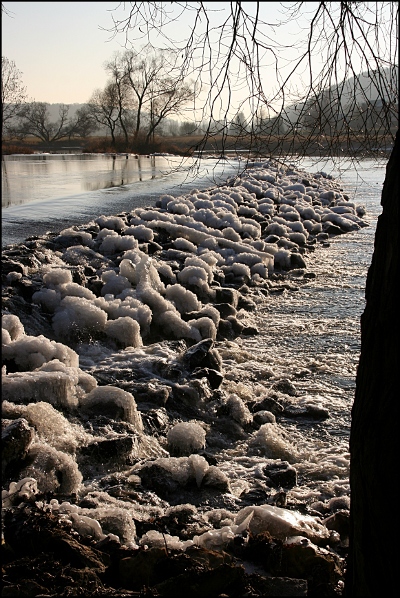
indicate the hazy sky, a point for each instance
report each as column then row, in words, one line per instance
column 60, row 47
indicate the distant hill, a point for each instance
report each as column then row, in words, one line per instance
column 363, row 88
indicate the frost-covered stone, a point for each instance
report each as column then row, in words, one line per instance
column 186, row 438
column 282, row 523
column 112, row 402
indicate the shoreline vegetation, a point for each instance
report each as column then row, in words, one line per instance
column 193, row 145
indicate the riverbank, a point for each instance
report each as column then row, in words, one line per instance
column 134, row 416
column 256, row 146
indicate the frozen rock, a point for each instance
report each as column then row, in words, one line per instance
column 117, row 451
column 125, row 331
column 271, row 441
column 202, row 354
column 114, row 403
column 53, row 470
column 281, row 474
column 16, row 439
column 186, row 438
column 30, row 352
column 282, row 523
column 56, row 388
column 12, row 324
column 21, row 491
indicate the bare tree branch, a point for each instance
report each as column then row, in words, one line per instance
column 340, row 93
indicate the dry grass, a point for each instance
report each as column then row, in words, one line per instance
column 187, row 145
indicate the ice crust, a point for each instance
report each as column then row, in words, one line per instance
column 186, row 438
column 245, row 231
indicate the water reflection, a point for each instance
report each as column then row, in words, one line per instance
column 52, row 176
column 67, row 190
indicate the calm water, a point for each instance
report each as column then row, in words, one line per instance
column 53, row 191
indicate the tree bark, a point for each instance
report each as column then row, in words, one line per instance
column 373, row 551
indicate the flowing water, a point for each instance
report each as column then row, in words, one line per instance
column 312, row 336
column 309, row 334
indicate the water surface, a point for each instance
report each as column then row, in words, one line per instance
column 48, row 192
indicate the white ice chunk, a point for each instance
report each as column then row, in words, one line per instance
column 13, row 325
column 25, row 489
column 184, row 300
column 282, row 523
column 121, row 401
column 30, row 352
column 141, row 233
column 76, row 316
column 86, row 526
column 271, row 441
column 125, row 330
column 114, row 223
column 186, row 437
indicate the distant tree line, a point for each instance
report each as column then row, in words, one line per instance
column 145, row 90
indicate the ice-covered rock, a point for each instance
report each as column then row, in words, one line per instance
column 282, row 523
column 185, row 438
column 113, row 402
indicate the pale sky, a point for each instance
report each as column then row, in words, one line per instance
column 60, row 47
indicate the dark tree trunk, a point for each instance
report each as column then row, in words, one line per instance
column 374, row 439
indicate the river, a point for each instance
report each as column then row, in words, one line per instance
column 303, row 355
column 42, row 192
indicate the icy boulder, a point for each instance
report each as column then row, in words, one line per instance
column 184, row 300
column 13, row 326
column 282, row 523
column 87, row 526
column 186, row 438
column 238, row 410
column 78, row 318
column 54, row 471
column 271, row 441
column 25, row 489
column 51, row 426
column 112, row 402
column 125, row 331
column 114, row 521
column 30, row 352
column 218, row 539
column 166, row 474
column 57, row 388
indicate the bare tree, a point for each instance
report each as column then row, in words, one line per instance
column 13, row 93
column 104, row 109
column 149, row 85
column 83, row 123
column 122, row 92
column 166, row 100
column 229, row 44
column 34, row 119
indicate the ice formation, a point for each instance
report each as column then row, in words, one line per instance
column 272, row 442
column 31, row 352
column 186, row 438
column 112, row 400
column 24, row 489
column 54, row 471
column 282, row 523
column 178, row 271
